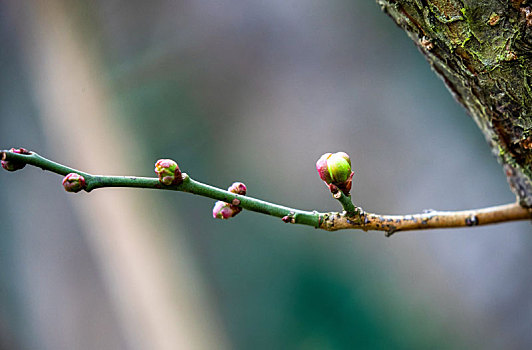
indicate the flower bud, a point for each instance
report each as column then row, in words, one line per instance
column 323, row 170
column 223, row 210
column 73, row 182
column 238, row 188
column 287, row 219
column 11, row 165
column 335, row 169
column 168, row 172
column 339, row 166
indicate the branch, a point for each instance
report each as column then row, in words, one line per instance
column 429, row 219
column 189, row 185
column 352, row 217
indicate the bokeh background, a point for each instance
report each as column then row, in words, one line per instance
column 253, row 91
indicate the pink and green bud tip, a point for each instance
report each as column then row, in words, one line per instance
column 73, row 182
column 11, row 165
column 223, row 210
column 238, row 188
column 335, row 170
column 168, row 172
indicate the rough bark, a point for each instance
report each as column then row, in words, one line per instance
column 482, row 51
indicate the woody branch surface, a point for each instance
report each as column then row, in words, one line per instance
column 352, row 217
column 482, row 50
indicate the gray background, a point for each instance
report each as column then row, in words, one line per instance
column 256, row 91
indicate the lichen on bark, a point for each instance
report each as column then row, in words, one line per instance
column 482, row 51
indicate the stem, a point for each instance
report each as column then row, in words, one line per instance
column 189, row 185
column 346, row 202
column 429, row 219
column 352, row 218
column 250, row 203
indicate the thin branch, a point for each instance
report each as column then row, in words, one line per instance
column 189, row 185
column 352, row 217
column 429, row 219
column 346, row 202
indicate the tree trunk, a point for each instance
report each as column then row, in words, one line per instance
column 482, row 51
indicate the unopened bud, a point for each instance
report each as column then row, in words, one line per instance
column 238, row 188
column 323, row 170
column 73, row 182
column 168, row 172
column 339, row 166
column 287, row 219
column 223, row 210
column 335, row 169
column 11, row 165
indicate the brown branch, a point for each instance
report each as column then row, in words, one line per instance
column 427, row 220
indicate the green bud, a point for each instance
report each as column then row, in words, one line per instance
column 335, row 170
column 339, row 167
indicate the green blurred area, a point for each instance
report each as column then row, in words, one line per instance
column 256, row 92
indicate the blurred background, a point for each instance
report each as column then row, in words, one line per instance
column 252, row 91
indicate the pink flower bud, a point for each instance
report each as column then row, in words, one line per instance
column 73, row 182
column 287, row 219
column 335, row 169
column 10, row 165
column 223, row 210
column 238, row 188
column 168, row 172
column 323, row 170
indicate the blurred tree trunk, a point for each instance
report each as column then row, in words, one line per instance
column 482, row 51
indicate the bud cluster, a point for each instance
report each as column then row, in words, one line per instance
column 335, row 170
column 223, row 210
column 11, row 165
column 168, row 172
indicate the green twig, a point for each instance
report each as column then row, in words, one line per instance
column 188, row 185
column 352, row 218
column 346, row 202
